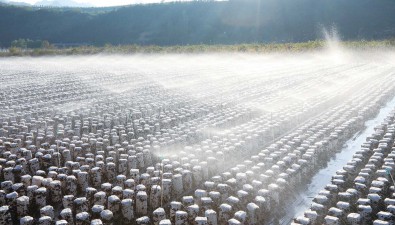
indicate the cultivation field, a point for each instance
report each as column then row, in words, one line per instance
column 197, row 139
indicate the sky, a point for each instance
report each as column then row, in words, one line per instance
column 100, row 3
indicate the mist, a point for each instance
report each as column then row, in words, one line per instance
column 214, row 77
column 244, row 121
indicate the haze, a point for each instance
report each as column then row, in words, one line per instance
column 97, row 3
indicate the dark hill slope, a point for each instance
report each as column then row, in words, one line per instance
column 203, row 22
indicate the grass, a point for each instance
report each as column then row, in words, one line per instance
column 248, row 48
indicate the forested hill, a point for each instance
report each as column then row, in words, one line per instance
column 243, row 21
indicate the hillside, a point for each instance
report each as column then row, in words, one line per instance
column 251, row 21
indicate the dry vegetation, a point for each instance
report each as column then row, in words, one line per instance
column 250, row 48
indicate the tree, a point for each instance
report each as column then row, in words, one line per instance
column 46, row 45
column 20, row 43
